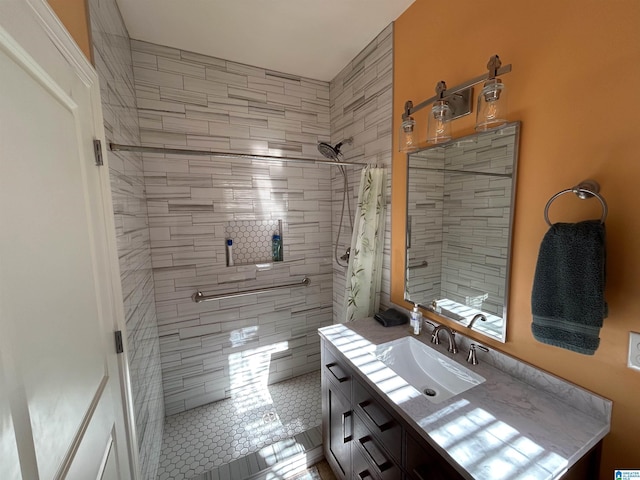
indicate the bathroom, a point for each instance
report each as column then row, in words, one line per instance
column 163, row 230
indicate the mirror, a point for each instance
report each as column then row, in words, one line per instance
column 459, row 219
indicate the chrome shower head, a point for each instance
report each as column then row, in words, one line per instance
column 332, row 153
column 328, row 151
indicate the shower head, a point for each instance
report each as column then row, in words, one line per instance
column 332, row 153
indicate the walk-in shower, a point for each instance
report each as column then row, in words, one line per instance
column 334, row 153
column 265, row 343
column 201, row 150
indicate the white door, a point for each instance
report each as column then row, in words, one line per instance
column 62, row 412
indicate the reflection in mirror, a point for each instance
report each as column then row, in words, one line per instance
column 459, row 217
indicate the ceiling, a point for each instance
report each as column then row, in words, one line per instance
column 309, row 38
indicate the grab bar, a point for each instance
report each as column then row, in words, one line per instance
column 201, row 297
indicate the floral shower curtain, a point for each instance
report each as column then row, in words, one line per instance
column 364, row 274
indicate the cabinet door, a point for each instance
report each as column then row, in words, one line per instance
column 340, row 428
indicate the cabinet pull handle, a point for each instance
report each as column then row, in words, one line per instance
column 341, row 377
column 364, row 474
column 346, row 438
column 381, row 426
column 375, row 452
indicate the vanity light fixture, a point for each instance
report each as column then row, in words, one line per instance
column 438, row 126
column 492, row 101
column 408, row 139
column 451, row 103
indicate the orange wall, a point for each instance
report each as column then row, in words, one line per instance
column 74, row 15
column 575, row 86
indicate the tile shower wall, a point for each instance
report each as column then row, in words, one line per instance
column 113, row 62
column 213, row 349
column 361, row 107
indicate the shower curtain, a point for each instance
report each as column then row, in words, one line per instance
column 364, row 274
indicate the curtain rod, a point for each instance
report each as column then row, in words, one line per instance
column 117, row 147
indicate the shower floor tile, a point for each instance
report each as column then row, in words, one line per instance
column 205, row 437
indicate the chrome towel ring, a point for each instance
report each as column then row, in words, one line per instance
column 584, row 190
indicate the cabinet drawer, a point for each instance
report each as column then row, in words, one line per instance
column 335, row 370
column 379, row 421
column 360, row 466
column 424, row 463
column 369, row 459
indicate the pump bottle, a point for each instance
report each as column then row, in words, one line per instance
column 416, row 320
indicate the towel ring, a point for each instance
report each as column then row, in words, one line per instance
column 586, row 189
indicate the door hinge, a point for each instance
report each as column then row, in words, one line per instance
column 119, row 346
column 97, row 152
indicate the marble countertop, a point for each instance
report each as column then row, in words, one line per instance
column 502, row 428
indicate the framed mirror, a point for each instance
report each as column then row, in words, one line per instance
column 460, row 198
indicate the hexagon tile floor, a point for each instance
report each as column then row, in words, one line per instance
column 200, row 439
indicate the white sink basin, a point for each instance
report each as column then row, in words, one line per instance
column 427, row 370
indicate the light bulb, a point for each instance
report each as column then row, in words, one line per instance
column 491, row 111
column 407, row 141
column 439, row 128
column 492, row 105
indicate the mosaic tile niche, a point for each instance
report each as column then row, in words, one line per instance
column 253, row 240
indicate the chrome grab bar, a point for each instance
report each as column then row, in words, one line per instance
column 201, row 297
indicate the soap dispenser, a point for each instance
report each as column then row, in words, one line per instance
column 416, row 320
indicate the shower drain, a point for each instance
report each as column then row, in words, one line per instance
column 269, row 417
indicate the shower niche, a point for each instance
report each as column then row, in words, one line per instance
column 253, row 241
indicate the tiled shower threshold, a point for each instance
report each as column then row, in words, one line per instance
column 198, row 440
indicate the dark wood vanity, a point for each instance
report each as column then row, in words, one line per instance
column 364, row 438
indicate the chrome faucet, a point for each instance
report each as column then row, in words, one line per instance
column 453, row 348
column 471, row 358
column 479, row 316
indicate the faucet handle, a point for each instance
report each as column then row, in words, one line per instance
column 453, row 348
column 434, row 337
column 471, row 358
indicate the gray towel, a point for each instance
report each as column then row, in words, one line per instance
column 567, row 301
column 391, row 317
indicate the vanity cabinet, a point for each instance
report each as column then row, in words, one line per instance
column 363, row 439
